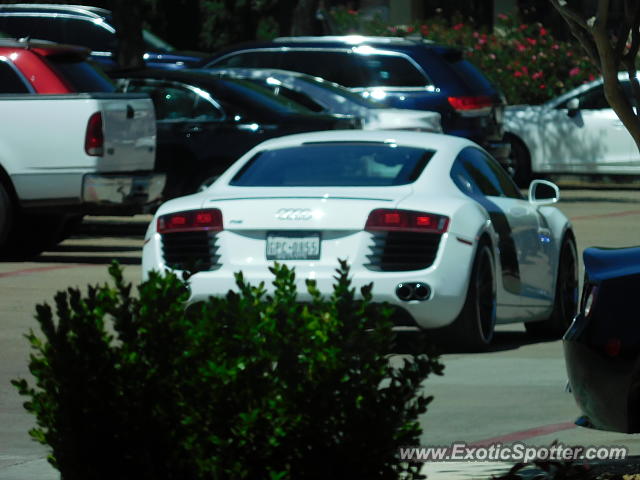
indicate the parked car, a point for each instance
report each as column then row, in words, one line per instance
column 602, row 346
column 575, row 133
column 205, row 122
column 399, row 72
column 432, row 220
column 88, row 26
column 321, row 95
column 69, row 145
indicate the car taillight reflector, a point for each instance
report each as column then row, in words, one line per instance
column 94, row 138
column 469, row 104
column 406, row 221
column 190, row 221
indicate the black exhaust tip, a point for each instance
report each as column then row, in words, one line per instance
column 421, row 291
column 404, row 291
column 413, row 291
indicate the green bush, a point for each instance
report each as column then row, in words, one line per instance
column 524, row 60
column 249, row 386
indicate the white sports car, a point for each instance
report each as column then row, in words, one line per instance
column 432, row 220
column 575, row 133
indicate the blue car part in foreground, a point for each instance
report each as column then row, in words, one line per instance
column 602, row 345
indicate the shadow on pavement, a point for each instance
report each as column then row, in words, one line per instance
column 413, row 343
column 47, row 258
column 96, row 248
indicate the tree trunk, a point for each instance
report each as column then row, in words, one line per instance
column 304, row 18
column 127, row 20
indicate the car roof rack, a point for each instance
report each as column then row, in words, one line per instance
column 355, row 39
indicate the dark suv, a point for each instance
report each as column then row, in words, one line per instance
column 89, row 27
column 399, row 72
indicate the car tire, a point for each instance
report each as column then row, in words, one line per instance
column 519, row 162
column 474, row 328
column 6, row 217
column 565, row 302
column 34, row 233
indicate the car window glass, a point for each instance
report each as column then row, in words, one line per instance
column 255, row 59
column 466, row 72
column 10, row 81
column 342, row 67
column 43, row 28
column 88, row 34
column 298, row 97
column 593, row 99
column 173, row 102
column 82, row 76
column 392, row 71
column 474, row 173
column 329, row 164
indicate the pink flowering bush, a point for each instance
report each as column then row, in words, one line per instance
column 524, row 60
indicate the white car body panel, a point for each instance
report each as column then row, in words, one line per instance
column 50, row 163
column 588, row 141
column 340, row 214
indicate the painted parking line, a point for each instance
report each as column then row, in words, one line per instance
column 28, row 271
column 607, row 215
column 525, row 434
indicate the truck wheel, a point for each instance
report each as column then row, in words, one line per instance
column 34, row 233
column 6, row 216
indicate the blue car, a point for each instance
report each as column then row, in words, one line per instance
column 602, row 345
column 399, row 72
column 89, row 27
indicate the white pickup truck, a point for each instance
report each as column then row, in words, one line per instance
column 69, row 145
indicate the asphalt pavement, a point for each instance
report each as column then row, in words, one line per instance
column 514, row 393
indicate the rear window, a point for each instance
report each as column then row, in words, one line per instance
column 82, row 76
column 467, row 72
column 334, row 165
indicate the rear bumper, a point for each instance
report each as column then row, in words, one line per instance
column 125, row 191
column 439, row 309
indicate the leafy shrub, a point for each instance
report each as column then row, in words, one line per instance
column 249, row 386
column 524, row 60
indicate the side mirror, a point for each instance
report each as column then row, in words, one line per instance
column 573, row 106
column 543, row 192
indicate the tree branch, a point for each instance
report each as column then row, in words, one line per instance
column 580, row 30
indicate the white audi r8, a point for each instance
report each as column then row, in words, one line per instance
column 432, row 220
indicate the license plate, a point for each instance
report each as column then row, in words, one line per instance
column 293, row 246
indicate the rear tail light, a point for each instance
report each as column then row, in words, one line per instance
column 406, row 221
column 94, row 138
column 478, row 105
column 190, row 221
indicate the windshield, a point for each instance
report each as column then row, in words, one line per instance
column 156, row 43
column 248, row 94
column 356, row 98
column 334, row 165
column 82, row 76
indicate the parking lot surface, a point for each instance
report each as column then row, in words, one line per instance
column 514, row 393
